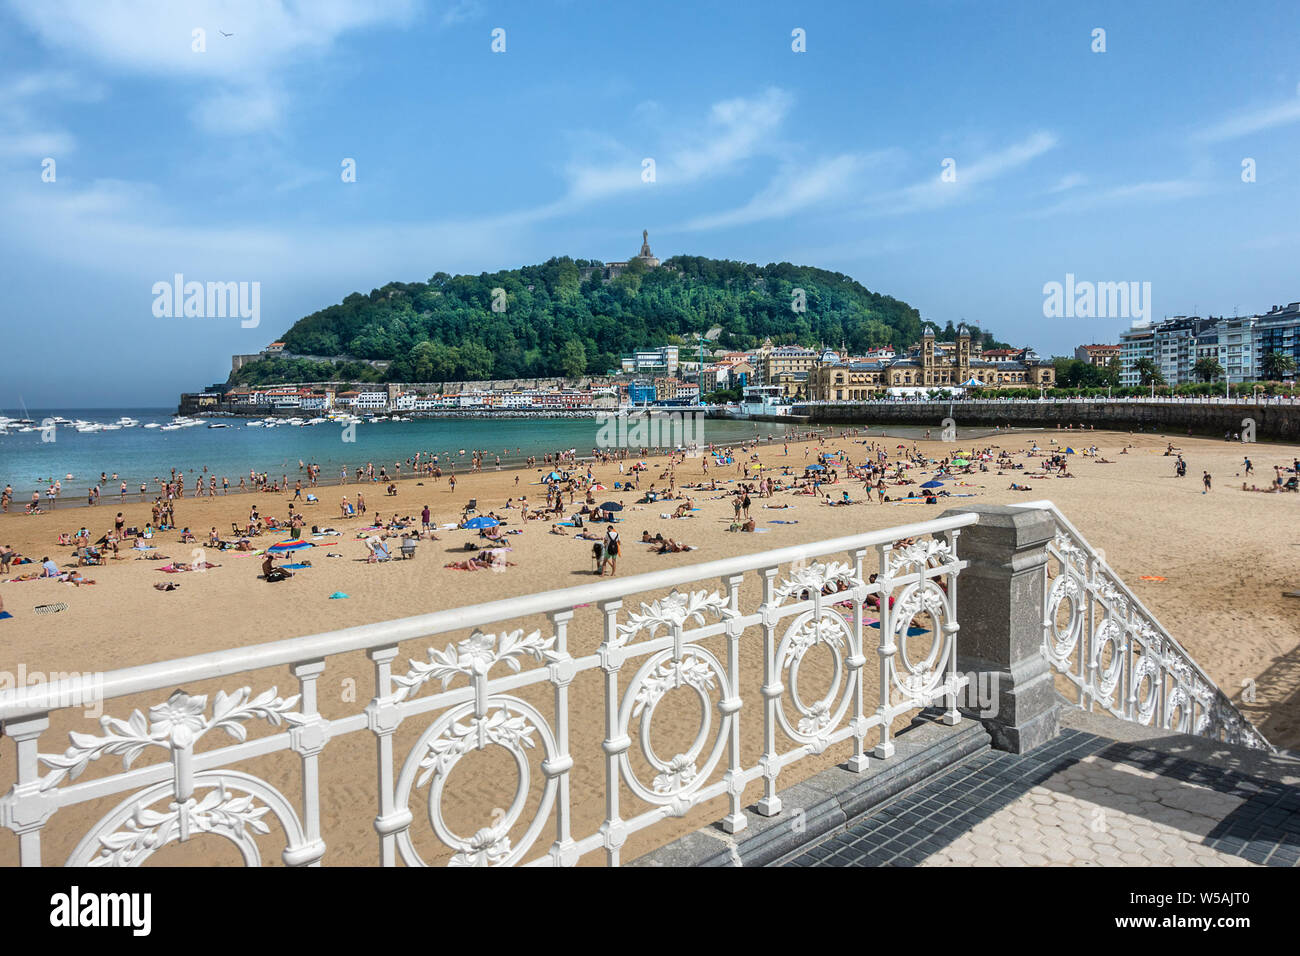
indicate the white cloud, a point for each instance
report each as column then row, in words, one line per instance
column 1255, row 121
column 1068, row 182
column 734, row 131
column 1152, row 191
column 795, row 189
column 239, row 111
column 156, row 38
column 461, row 10
column 25, row 129
column 934, row 192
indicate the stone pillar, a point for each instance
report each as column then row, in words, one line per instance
column 1000, row 609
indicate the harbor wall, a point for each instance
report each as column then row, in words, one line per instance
column 1271, row 422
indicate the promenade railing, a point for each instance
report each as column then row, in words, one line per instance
column 1098, row 635
column 169, row 776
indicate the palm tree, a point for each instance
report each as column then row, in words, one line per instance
column 1208, row 369
column 1147, row 372
column 1276, row 365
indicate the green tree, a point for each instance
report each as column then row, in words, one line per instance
column 1148, row 372
column 573, row 359
column 1276, row 365
column 1207, row 369
column 475, row 362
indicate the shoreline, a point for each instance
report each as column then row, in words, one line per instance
column 16, row 508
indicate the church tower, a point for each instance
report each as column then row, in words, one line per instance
column 927, row 356
column 963, row 355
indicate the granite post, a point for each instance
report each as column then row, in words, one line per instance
column 1000, row 609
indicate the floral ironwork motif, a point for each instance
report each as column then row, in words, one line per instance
column 176, row 724
column 475, row 656
column 815, row 577
column 673, row 610
column 690, row 671
column 146, row 830
column 919, row 553
column 512, row 731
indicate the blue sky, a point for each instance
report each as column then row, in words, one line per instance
column 225, row 165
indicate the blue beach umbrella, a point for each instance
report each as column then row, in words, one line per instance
column 816, row 468
column 482, row 521
column 933, row 484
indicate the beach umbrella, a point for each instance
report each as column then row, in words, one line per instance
column 962, row 462
column 482, row 521
column 933, row 484
column 611, row 506
column 816, row 468
column 284, row 546
column 1069, row 451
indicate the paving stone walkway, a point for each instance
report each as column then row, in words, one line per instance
column 1081, row 800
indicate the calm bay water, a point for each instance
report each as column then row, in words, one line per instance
column 142, row 454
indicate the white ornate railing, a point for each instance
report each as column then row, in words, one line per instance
column 1118, row 656
column 467, row 697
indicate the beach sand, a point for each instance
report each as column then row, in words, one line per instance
column 1226, row 557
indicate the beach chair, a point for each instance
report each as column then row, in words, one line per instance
column 408, row 548
column 381, row 552
column 472, row 506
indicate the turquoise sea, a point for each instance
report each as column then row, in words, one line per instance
column 141, row 454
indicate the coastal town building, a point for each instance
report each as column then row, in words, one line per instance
column 786, row 359
column 1238, row 343
column 927, row 365
column 1097, row 355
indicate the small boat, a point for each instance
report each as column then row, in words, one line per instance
column 218, row 425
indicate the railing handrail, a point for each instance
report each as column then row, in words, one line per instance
column 1132, row 598
column 35, row 699
column 1065, row 524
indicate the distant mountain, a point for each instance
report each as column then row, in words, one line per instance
column 570, row 317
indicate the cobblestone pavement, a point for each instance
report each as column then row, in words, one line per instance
column 1082, row 800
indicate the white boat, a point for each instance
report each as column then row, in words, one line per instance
column 153, row 425
column 218, row 425
column 765, row 400
column 172, row 428
column 126, row 422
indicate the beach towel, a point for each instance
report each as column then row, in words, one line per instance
column 1151, row 577
column 785, row 522
column 5, row 615
column 295, row 567
column 911, row 631
column 337, row 595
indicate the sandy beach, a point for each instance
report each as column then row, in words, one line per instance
column 1225, row 558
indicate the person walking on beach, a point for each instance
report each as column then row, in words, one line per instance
column 1205, row 477
column 424, row 518
column 1250, row 469
column 609, row 552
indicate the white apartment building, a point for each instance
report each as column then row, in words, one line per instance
column 1135, row 344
